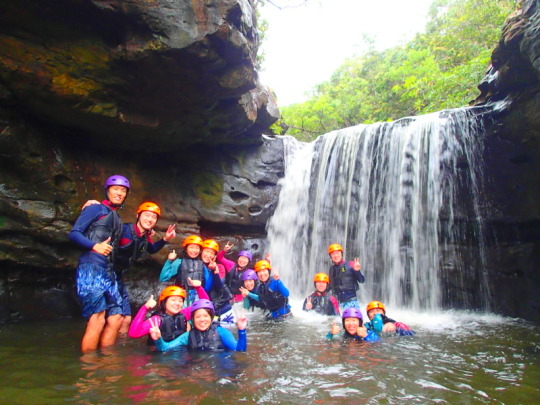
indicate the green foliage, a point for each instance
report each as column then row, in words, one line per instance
column 436, row 70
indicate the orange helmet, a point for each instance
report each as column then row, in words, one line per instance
column 334, row 247
column 172, row 290
column 149, row 206
column 192, row 240
column 262, row 265
column 210, row 244
column 321, row 277
column 375, row 304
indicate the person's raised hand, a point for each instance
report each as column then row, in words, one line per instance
column 151, row 303
column 172, row 256
column 103, row 248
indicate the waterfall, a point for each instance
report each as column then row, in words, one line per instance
column 402, row 196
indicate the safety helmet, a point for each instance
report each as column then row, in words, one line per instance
column 192, row 240
column 375, row 304
column 149, row 206
column 210, row 244
column 171, row 291
column 321, row 277
column 249, row 275
column 245, row 253
column 202, row 304
column 262, row 265
column 334, row 247
column 116, row 180
column 352, row 313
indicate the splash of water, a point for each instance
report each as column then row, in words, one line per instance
column 401, row 196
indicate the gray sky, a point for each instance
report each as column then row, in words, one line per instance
column 305, row 45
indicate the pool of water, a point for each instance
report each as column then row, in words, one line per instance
column 456, row 357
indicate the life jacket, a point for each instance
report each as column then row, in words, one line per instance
column 131, row 251
column 322, row 304
column 172, row 326
column 341, row 278
column 192, row 268
column 208, row 340
column 221, row 299
column 271, row 300
column 108, row 225
column 233, row 279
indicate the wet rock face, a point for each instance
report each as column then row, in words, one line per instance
column 512, row 167
column 122, row 72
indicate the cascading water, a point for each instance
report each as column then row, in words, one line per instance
column 402, row 196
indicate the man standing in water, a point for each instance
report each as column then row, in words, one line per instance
column 344, row 278
column 98, row 230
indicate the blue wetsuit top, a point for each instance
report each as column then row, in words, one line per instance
column 226, row 336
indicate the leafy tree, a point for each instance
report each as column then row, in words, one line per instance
column 438, row 69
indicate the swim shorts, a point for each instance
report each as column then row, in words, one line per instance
column 97, row 290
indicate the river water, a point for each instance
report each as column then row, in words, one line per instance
column 455, row 358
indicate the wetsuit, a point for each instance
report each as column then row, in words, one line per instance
column 344, row 283
column 97, row 287
column 273, row 296
column 401, row 328
column 171, row 269
column 132, row 245
column 140, row 327
column 228, row 342
column 233, row 279
column 371, row 336
column 323, row 303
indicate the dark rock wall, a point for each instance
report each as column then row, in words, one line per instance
column 512, row 167
column 163, row 92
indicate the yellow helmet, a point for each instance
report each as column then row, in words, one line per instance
column 172, row 290
column 334, row 247
column 321, row 277
column 375, row 304
column 192, row 240
column 149, row 206
column 262, row 265
column 210, row 244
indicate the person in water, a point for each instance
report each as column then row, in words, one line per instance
column 220, row 294
column 205, row 335
column 251, row 283
column 352, row 327
column 190, row 266
column 320, row 300
column 171, row 317
column 380, row 323
column 233, row 278
column 98, row 230
column 271, row 294
column 136, row 240
column 344, row 278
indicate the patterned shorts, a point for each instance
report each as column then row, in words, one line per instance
column 97, row 290
column 349, row 304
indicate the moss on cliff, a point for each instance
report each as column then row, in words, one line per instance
column 208, row 188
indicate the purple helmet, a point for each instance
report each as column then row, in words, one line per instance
column 352, row 313
column 245, row 253
column 116, row 180
column 249, row 275
column 200, row 304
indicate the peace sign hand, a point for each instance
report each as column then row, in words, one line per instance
column 228, row 246
column 155, row 332
column 356, row 265
column 334, row 329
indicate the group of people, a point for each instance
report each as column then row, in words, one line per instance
column 207, row 288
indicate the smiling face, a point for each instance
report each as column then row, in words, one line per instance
column 242, row 261
column 147, row 220
column 336, row 256
column 372, row 312
column 207, row 255
column 351, row 325
column 249, row 284
column 201, row 319
column 320, row 286
column 263, row 275
column 193, row 250
column 173, row 305
column 117, row 194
